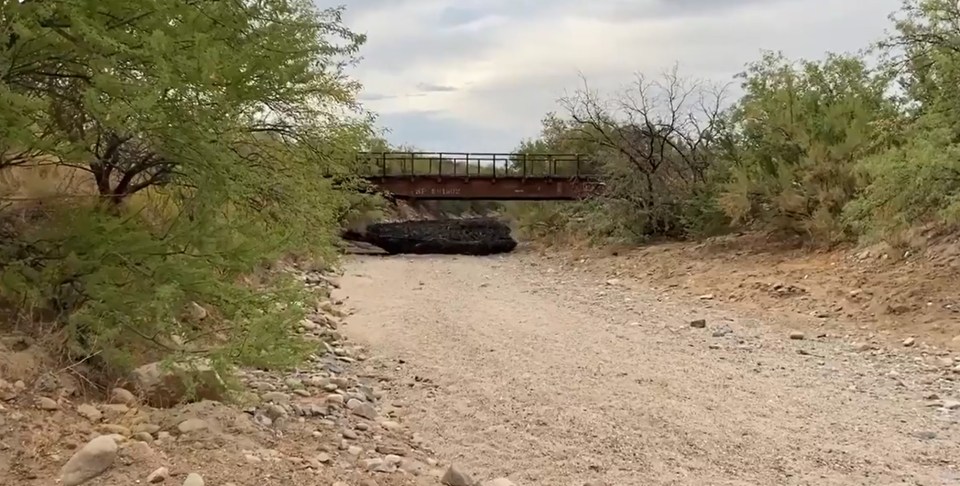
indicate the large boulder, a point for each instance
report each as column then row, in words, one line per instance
column 455, row 477
column 164, row 386
column 90, row 461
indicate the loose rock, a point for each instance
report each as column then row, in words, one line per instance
column 192, row 425
column 143, row 437
column 90, row 461
column 196, row 312
column 163, row 387
column 392, row 450
column 193, row 479
column 116, row 429
column 44, row 403
column 274, row 412
column 365, row 410
column 391, row 426
column 393, row 460
column 698, row 323
column 797, row 336
column 413, row 466
column 113, row 410
column 89, row 412
column 722, row 331
column 122, row 396
column 158, row 476
column 146, row 428
column 909, row 342
column 7, row 391
column 276, row 397
column 498, row 482
column 455, row 477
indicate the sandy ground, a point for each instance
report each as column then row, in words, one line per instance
column 549, row 374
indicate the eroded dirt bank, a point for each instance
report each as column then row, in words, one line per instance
column 554, row 374
column 889, row 294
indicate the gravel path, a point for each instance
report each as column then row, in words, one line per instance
column 549, row 376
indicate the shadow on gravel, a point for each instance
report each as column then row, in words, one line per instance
column 479, row 236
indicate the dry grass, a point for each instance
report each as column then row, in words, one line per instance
column 30, row 192
column 32, row 189
column 43, row 180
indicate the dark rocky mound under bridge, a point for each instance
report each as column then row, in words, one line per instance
column 477, row 236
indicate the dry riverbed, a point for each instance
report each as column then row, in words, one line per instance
column 525, row 370
column 549, row 374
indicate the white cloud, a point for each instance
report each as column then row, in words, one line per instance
column 503, row 63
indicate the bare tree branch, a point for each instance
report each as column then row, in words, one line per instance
column 660, row 137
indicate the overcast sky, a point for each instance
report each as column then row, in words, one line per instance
column 479, row 75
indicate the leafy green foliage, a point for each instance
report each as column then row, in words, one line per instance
column 218, row 137
column 800, row 130
column 830, row 150
column 916, row 181
column 120, row 290
column 914, row 184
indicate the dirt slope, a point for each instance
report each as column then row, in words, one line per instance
column 888, row 294
column 555, row 374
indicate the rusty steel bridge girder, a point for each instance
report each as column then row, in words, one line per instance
column 482, row 176
column 485, row 188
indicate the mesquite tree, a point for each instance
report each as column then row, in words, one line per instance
column 206, row 129
column 655, row 142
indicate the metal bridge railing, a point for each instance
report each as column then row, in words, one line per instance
column 487, row 165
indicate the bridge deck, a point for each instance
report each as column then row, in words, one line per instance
column 492, row 176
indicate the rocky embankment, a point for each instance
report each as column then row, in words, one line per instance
column 332, row 421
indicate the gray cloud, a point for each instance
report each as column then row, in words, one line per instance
column 367, row 96
column 709, row 7
column 482, row 73
column 436, row 132
column 422, row 89
column 373, row 97
column 402, row 52
column 456, row 15
column 435, row 88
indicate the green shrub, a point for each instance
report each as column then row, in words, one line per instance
column 800, row 130
column 211, row 146
column 915, row 184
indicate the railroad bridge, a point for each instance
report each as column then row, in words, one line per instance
column 481, row 176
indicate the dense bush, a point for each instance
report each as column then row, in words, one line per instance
column 202, row 140
column 916, row 182
column 799, row 131
column 831, row 150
